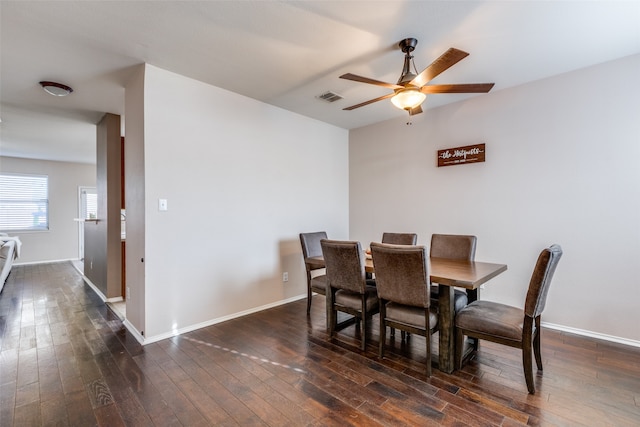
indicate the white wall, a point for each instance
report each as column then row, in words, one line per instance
column 134, row 201
column 61, row 241
column 242, row 179
column 561, row 167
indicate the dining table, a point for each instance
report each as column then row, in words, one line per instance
column 449, row 274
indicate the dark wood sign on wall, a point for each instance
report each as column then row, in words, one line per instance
column 461, row 155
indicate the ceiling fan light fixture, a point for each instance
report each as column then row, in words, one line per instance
column 407, row 99
column 56, row 89
column 410, row 91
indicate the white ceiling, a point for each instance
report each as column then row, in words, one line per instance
column 283, row 53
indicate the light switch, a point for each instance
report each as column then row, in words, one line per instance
column 162, row 204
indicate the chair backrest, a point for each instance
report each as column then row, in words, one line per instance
column 344, row 262
column 541, row 279
column 453, row 246
column 400, row 238
column 311, row 243
column 401, row 273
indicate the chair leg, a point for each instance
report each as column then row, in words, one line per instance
column 309, row 293
column 476, row 344
column 527, row 350
column 363, row 344
column 331, row 311
column 383, row 329
column 474, row 295
column 527, row 362
column 536, row 345
column 363, row 315
column 459, row 346
column 427, row 338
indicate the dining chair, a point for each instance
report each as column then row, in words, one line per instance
column 452, row 246
column 348, row 290
column 402, row 282
column 508, row 325
column 316, row 279
column 400, row 238
column 397, row 239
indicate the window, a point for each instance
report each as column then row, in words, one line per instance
column 88, row 203
column 24, row 203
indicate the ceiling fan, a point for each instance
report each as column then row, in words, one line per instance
column 412, row 89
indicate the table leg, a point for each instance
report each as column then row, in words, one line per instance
column 446, row 325
column 473, row 295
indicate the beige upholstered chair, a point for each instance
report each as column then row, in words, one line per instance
column 402, row 282
column 347, row 288
column 316, row 279
column 509, row 325
column 453, row 246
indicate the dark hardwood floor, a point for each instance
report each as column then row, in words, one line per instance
column 66, row 359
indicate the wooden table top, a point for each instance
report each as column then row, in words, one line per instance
column 464, row 274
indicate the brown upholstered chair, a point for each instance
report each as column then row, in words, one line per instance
column 348, row 290
column 509, row 325
column 397, row 239
column 316, row 279
column 402, row 282
column 400, row 238
column 453, row 246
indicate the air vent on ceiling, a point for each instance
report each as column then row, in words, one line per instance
column 329, row 96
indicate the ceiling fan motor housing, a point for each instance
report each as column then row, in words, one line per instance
column 408, row 45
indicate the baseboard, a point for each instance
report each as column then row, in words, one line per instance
column 95, row 288
column 591, row 334
column 98, row 291
column 136, row 334
column 160, row 337
column 45, row 262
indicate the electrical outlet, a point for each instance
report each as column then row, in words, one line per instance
column 285, row 276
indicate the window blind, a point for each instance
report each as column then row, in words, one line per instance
column 24, row 203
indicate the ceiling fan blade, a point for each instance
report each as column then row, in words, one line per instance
column 361, row 79
column 446, row 60
column 371, row 101
column 459, row 88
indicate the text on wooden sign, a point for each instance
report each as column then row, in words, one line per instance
column 461, row 155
